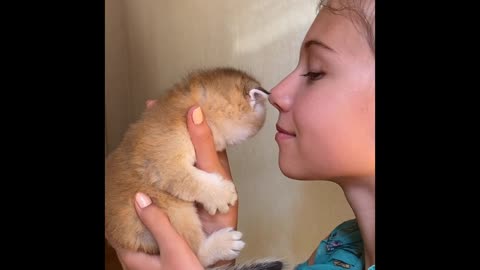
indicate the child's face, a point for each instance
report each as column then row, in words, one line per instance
column 327, row 117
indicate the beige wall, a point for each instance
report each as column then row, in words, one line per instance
column 150, row 44
column 117, row 82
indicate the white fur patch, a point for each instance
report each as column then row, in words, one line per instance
column 216, row 194
column 236, row 134
column 212, row 180
column 224, row 244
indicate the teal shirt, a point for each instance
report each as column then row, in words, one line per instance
column 342, row 249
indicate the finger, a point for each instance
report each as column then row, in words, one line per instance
column 154, row 218
column 131, row 260
column 222, row 156
column 202, row 139
column 174, row 250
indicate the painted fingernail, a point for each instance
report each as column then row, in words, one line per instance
column 142, row 200
column 197, row 116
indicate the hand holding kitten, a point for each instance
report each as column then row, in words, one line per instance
column 176, row 253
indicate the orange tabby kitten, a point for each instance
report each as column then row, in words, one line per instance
column 157, row 158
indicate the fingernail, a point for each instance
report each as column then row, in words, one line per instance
column 197, row 116
column 142, row 200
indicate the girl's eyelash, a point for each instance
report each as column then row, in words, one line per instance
column 314, row 75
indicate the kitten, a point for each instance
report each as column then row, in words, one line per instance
column 157, row 158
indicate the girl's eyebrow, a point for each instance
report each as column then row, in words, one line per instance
column 318, row 43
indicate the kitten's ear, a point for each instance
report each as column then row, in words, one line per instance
column 258, row 94
column 150, row 102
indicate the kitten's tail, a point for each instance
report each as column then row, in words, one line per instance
column 263, row 264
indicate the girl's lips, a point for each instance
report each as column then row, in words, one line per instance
column 282, row 134
column 281, row 130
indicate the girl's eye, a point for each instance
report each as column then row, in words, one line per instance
column 313, row 76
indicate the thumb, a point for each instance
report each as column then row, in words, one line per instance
column 158, row 223
column 152, row 217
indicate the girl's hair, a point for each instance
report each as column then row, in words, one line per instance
column 361, row 12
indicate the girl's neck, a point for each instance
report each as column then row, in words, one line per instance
column 360, row 194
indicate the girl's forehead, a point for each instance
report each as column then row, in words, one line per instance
column 336, row 31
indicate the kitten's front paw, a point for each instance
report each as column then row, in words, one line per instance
column 224, row 244
column 218, row 194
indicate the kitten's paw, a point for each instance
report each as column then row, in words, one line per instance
column 224, row 244
column 222, row 198
column 218, row 194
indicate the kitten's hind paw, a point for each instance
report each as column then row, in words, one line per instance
column 224, row 244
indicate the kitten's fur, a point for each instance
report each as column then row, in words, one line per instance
column 157, row 157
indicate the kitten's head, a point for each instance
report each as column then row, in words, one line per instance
column 234, row 103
